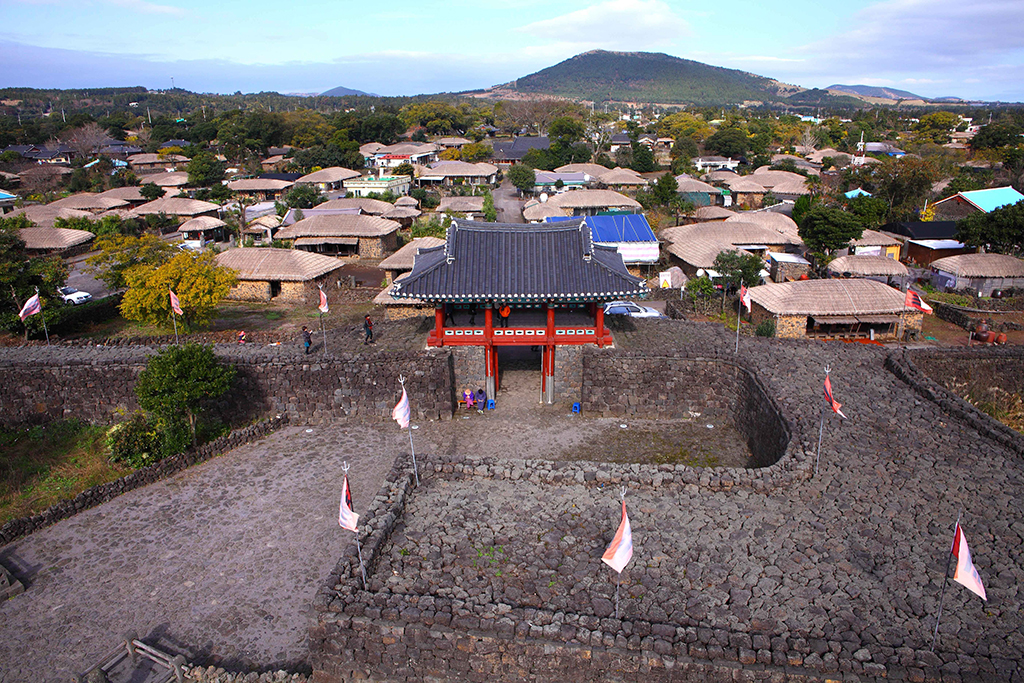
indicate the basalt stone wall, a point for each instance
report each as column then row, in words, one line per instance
column 39, row 385
column 619, row 384
column 568, row 373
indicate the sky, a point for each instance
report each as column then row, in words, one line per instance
column 972, row 49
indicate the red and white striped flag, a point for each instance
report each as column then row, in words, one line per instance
column 175, row 304
column 913, row 300
column 31, row 307
column 966, row 575
column 402, row 413
column 619, row 553
column 832, row 401
column 347, row 517
column 324, row 308
column 745, row 297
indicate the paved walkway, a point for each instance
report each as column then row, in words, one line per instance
column 219, row 563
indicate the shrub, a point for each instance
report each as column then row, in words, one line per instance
column 136, row 442
column 766, row 329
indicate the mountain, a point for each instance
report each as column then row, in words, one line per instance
column 341, row 91
column 875, row 91
column 823, row 98
column 601, row 76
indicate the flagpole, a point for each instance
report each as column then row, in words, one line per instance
column 739, row 308
column 945, row 580
column 618, row 575
column 359, row 550
column 43, row 316
column 323, row 327
column 174, row 318
column 415, row 471
column 821, row 427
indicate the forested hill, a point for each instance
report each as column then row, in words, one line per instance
column 602, row 76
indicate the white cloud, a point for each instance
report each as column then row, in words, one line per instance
column 613, row 25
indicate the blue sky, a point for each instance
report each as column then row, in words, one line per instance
column 971, row 49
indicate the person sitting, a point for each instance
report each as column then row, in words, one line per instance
column 469, row 397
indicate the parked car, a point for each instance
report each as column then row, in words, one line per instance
column 73, row 296
column 631, row 309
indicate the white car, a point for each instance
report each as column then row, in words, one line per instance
column 631, row 309
column 73, row 296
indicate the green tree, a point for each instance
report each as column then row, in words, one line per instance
column 823, row 229
column 737, row 267
column 303, row 197
column 1000, row 231
column 729, row 142
column 197, row 280
column 643, row 159
column 870, row 210
column 522, row 177
column 21, row 275
column 119, row 253
column 476, row 152
column 151, row 191
column 405, row 168
column 666, row 190
column 936, row 127
column 490, row 213
column 204, row 170
column 995, row 135
column 182, row 378
column 904, row 184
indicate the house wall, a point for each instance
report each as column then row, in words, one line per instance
column 250, row 290
column 985, row 285
column 795, row 326
column 378, row 247
column 923, row 256
column 953, row 209
column 785, row 270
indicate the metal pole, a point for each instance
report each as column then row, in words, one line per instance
column 359, row 551
column 942, row 594
column 175, row 319
column 739, row 308
column 324, row 330
column 415, row 470
column 42, row 315
column 821, row 427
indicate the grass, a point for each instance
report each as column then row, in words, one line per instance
column 43, row 465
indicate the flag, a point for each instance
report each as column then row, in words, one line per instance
column 620, row 551
column 347, row 517
column 401, row 413
column 31, row 307
column 745, row 297
column 323, row 302
column 914, row 301
column 965, row 574
column 832, row 402
column 175, row 304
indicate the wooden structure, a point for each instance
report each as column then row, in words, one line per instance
column 553, row 276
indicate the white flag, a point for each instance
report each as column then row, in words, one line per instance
column 324, row 308
column 966, row 575
column 620, row 552
column 401, row 413
column 347, row 517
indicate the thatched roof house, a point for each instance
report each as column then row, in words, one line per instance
column 197, row 231
column 583, row 203
column 344, row 235
column 373, row 207
column 402, row 260
column 868, row 265
column 981, row 273
column 264, row 189
column 266, row 274
column 839, row 308
column 131, row 194
column 694, row 247
column 328, row 178
column 169, row 179
column 44, row 215
column 712, row 213
column 622, row 177
column 471, row 206
column 61, row 241
column 178, row 206
column 89, row 201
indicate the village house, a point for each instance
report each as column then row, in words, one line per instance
column 402, row 260
column 267, row 274
column 367, row 205
column 154, row 163
column 694, row 247
column 197, row 232
column 580, row 203
column 629, row 234
column 44, row 215
column 63, row 242
column 622, row 179
column 344, row 235
column 167, row 180
column 835, row 309
column 364, row 186
column 697, row 192
column 784, row 267
column 873, row 242
column 328, row 179
column 715, row 163
column 553, row 182
column 924, row 252
column 447, row 173
column 871, row 266
column 390, row 156
column 470, row 207
column 509, row 152
column 981, row 273
column 261, row 230
column 260, row 189
column 132, row 195
column 744, row 193
column 180, row 207
column 963, row 204
column 91, row 202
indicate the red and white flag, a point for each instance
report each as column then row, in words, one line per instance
column 324, row 308
column 745, row 297
column 347, row 517
column 401, row 413
column 619, row 553
column 31, row 307
column 966, row 575
column 913, row 300
column 175, row 304
column 832, row 401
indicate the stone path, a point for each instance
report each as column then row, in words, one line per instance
column 219, row 563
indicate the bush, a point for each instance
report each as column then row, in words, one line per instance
column 766, row 329
column 135, row 443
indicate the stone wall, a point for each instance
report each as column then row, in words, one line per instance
column 378, row 247
column 250, row 290
column 569, row 373
column 468, row 363
column 43, row 384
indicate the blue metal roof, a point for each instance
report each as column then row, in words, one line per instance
column 993, row 198
column 853, row 194
column 628, row 227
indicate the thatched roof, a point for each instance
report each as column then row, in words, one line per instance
column 593, row 199
column 819, row 156
column 535, row 210
column 374, row 207
column 867, row 265
column 176, row 206
column 403, row 258
column 778, row 222
column 981, row 265
column 461, row 205
column 452, row 142
column 406, row 200
column 873, row 238
column 145, row 159
column 53, row 238
column 128, row 194
column 698, row 244
column 44, row 215
column 622, row 176
column 744, row 184
column 458, row 169
column 88, row 201
column 385, row 298
column 829, row 298
column 268, row 221
column 333, row 174
column 259, row 185
column 170, row 179
column 710, row 213
column 289, row 265
column 721, row 176
column 796, row 186
column 592, row 170
column 338, row 225
column 400, row 212
column 769, row 178
column 687, row 184
column 201, row 223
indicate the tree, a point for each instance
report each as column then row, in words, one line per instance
column 151, row 191
column 729, row 142
column 490, row 213
column 904, row 184
column 197, row 280
column 204, row 170
column 118, row 254
column 476, row 151
column 666, row 190
column 824, row 230
column 996, row 135
column 86, row 140
column 21, row 275
column 870, row 210
column 936, row 127
column 182, row 378
column 736, row 267
column 522, row 177
column 405, row 168
column 999, row 231
column 643, row 159
column 303, row 197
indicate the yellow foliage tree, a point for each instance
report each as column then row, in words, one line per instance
column 450, row 154
column 197, row 280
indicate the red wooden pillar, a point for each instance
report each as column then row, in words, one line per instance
column 489, row 360
column 439, row 324
column 599, row 323
column 549, row 358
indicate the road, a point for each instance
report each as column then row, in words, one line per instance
column 508, row 203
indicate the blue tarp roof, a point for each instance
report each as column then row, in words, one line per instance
column 629, row 227
column 5, row 195
column 852, row 194
column 993, row 198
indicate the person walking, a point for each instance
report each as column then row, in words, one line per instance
column 307, row 338
column 503, row 314
column 368, row 328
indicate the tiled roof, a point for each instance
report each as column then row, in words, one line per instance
column 500, row 261
column 828, row 297
column 630, row 227
column 981, row 265
column 265, row 263
column 338, row 225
